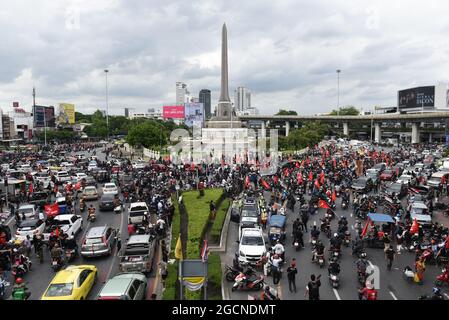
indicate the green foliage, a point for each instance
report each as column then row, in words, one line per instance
column 56, row 135
column 147, row 134
column 170, row 282
column 283, row 112
column 308, row 135
column 214, row 277
column 346, row 111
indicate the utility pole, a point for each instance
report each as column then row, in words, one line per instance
column 338, row 92
column 106, row 71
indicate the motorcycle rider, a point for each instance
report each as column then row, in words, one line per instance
column 267, row 295
column 91, row 212
column 362, row 264
column 279, row 249
column 298, row 237
column 314, row 233
column 319, row 250
column 334, row 267
column 20, row 285
column 335, row 243
column 357, row 246
column 57, row 254
column 368, row 292
column 436, row 294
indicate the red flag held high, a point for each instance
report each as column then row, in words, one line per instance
column 365, row 229
column 297, row 164
column 276, row 179
column 323, row 204
column 317, row 184
column 265, row 184
column 310, row 176
column 299, row 177
column 30, row 188
column 322, row 177
column 286, row 172
column 334, row 162
column 247, row 182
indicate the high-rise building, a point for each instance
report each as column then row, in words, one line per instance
column 181, row 93
column 205, row 99
column 242, row 99
column 127, row 112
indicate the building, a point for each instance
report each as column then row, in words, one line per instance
column 151, row 113
column 181, row 93
column 127, row 112
column 8, row 131
column 205, row 99
column 424, row 99
column 248, row 112
column 242, row 99
column 23, row 123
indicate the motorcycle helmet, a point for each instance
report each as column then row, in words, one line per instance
column 436, row 290
column 335, row 235
column 363, row 255
column 19, row 281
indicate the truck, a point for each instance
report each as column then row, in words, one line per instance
column 138, row 253
column 138, row 213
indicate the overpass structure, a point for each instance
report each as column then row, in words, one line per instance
column 375, row 119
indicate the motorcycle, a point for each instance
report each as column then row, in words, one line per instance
column 344, row 204
column 334, row 253
column 57, row 264
column 443, row 278
column 242, row 282
column 3, row 285
column 91, row 216
column 334, row 280
column 118, row 209
column 231, row 273
column 82, row 206
column 347, row 239
column 361, row 276
column 319, row 259
column 70, row 254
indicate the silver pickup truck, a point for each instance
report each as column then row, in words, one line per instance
column 137, row 254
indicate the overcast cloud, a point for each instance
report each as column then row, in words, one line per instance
column 285, row 51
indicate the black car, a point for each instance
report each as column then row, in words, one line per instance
column 90, row 181
column 397, row 188
column 39, row 199
column 362, row 184
column 107, row 202
column 235, row 215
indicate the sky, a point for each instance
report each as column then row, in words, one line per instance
column 286, row 52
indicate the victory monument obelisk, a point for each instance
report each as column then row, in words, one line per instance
column 225, row 117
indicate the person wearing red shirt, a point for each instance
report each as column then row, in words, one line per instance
column 368, row 293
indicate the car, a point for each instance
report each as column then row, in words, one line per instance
column 124, row 286
column 92, row 167
column 72, row 283
column 405, row 179
column 249, row 218
column 380, row 167
column 139, row 165
column 29, row 210
column 81, row 157
column 90, row 181
column 80, row 175
column 251, row 246
column 107, row 202
column 362, row 184
column 39, row 199
column 399, row 189
column 43, row 177
column 90, row 193
column 71, row 224
column 373, row 174
column 62, row 176
column 235, row 215
column 29, row 227
column 138, row 212
column 25, row 168
column 110, row 188
column 138, row 253
column 98, row 241
column 436, row 178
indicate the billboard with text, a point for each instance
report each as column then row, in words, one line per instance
column 66, row 114
column 194, row 114
column 420, row 97
column 173, row 112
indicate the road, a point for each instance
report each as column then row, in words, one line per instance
column 392, row 284
column 41, row 274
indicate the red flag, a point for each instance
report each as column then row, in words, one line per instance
column 308, row 161
column 286, row 172
column 31, row 188
column 302, row 163
column 327, row 154
column 323, row 204
column 365, row 229
column 334, row 196
column 322, row 177
column 310, row 176
column 297, row 164
column 415, row 227
column 51, row 210
column 317, row 184
column 299, row 177
column 276, row 179
column 57, row 232
column 447, row 244
column 78, row 186
column 334, row 162
column 265, row 184
column 247, row 182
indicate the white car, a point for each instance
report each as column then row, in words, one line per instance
column 80, row 176
column 251, row 246
column 62, row 176
column 92, row 166
column 81, row 156
column 139, row 166
column 29, row 227
column 25, row 168
column 71, row 224
column 110, row 188
column 28, row 209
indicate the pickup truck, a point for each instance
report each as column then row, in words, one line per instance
column 138, row 254
column 138, row 212
column 70, row 224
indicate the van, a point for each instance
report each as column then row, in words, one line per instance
column 138, row 212
column 138, row 253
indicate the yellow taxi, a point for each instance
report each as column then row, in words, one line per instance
column 72, row 283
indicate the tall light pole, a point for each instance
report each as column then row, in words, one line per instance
column 338, row 91
column 106, row 71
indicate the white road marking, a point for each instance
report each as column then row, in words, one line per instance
column 336, row 294
column 447, row 295
column 392, row 294
column 351, row 215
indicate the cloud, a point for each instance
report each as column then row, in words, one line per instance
column 286, row 51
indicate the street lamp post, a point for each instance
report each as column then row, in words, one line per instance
column 107, row 102
column 338, row 91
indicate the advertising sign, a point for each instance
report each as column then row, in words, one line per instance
column 50, row 116
column 421, row 97
column 66, row 113
column 194, row 114
column 173, row 112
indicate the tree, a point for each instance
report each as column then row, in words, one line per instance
column 309, row 135
column 56, row 135
column 346, row 111
column 148, row 134
column 283, row 112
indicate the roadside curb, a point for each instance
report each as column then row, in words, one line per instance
column 224, row 234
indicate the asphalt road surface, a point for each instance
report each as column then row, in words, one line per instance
column 41, row 274
column 393, row 286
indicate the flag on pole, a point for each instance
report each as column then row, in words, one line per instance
column 247, row 182
column 204, row 251
column 323, row 204
column 334, row 196
column 299, row 177
column 365, row 228
column 415, row 227
column 317, row 184
column 310, row 176
column 178, row 249
column 265, row 184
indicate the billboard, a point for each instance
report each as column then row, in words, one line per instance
column 42, row 115
column 66, row 113
column 173, row 112
column 420, row 97
column 194, row 114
